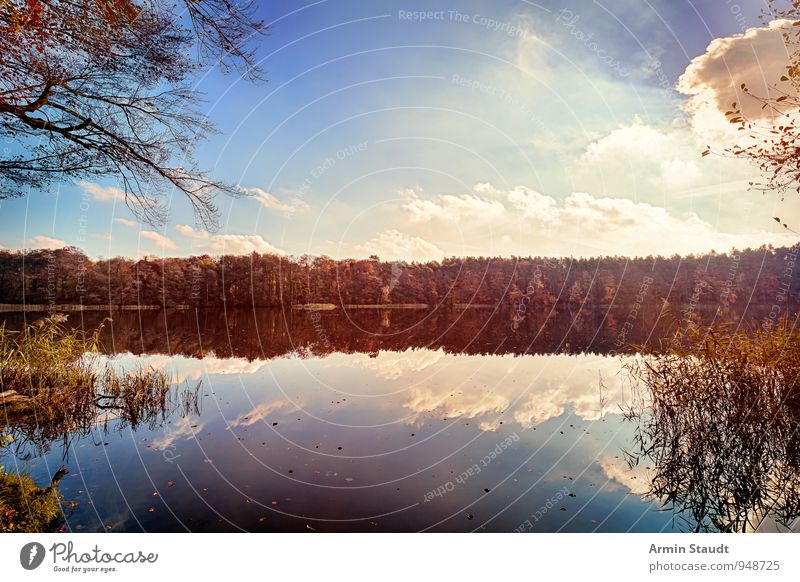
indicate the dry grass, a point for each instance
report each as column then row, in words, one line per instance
column 27, row 508
column 718, row 418
column 60, row 386
column 54, row 385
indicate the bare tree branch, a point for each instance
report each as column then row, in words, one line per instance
column 100, row 88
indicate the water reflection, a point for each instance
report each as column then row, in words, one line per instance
column 270, row 333
column 718, row 421
column 34, row 430
column 310, row 423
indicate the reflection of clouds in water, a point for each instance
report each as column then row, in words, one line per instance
column 572, row 382
column 529, row 389
column 393, row 365
column 184, row 368
column 423, row 400
column 259, row 413
column 635, row 479
column 184, row 428
column 546, row 385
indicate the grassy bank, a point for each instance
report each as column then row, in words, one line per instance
column 53, row 384
column 27, row 508
column 55, row 369
column 53, row 381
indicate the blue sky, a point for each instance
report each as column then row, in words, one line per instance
column 474, row 128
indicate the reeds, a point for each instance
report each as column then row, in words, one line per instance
column 718, row 418
column 54, row 386
column 57, row 385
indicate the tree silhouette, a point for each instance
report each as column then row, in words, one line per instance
column 94, row 88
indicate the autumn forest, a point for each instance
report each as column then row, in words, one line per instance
column 764, row 276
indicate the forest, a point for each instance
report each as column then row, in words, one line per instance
column 765, row 276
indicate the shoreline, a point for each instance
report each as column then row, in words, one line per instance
column 43, row 308
column 39, row 308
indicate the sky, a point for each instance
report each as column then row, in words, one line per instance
column 428, row 129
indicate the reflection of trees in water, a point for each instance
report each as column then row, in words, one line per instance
column 271, row 333
column 718, row 418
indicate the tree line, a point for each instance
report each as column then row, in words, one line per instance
column 728, row 281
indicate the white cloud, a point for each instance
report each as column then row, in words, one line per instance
column 184, row 428
column 640, row 158
column 45, row 242
column 227, row 244
column 394, row 245
column 527, row 222
column 532, row 204
column 182, row 368
column 269, row 201
column 713, row 80
column 635, row 479
column 102, row 193
column 126, row 222
column 240, row 244
column 453, row 208
column 527, row 393
column 423, row 400
column 161, row 241
column 187, row 230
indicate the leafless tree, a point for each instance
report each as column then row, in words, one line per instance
column 98, row 88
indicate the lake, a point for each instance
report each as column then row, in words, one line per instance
column 378, row 420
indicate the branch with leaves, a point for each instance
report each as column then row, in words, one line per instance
column 771, row 140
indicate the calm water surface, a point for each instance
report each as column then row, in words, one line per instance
column 370, row 420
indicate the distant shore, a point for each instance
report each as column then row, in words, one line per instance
column 44, row 308
column 9, row 307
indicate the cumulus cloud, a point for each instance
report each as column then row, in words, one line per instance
column 453, row 208
column 662, row 165
column 269, row 201
column 635, row 479
column 182, row 368
column 126, row 222
column 161, row 241
column 394, row 245
column 240, row 244
column 423, row 401
column 653, row 158
column 187, row 230
column 227, row 244
column 713, row 80
column 533, row 204
column 528, row 394
column 183, row 429
column 102, row 193
column 45, row 242
column 527, row 222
